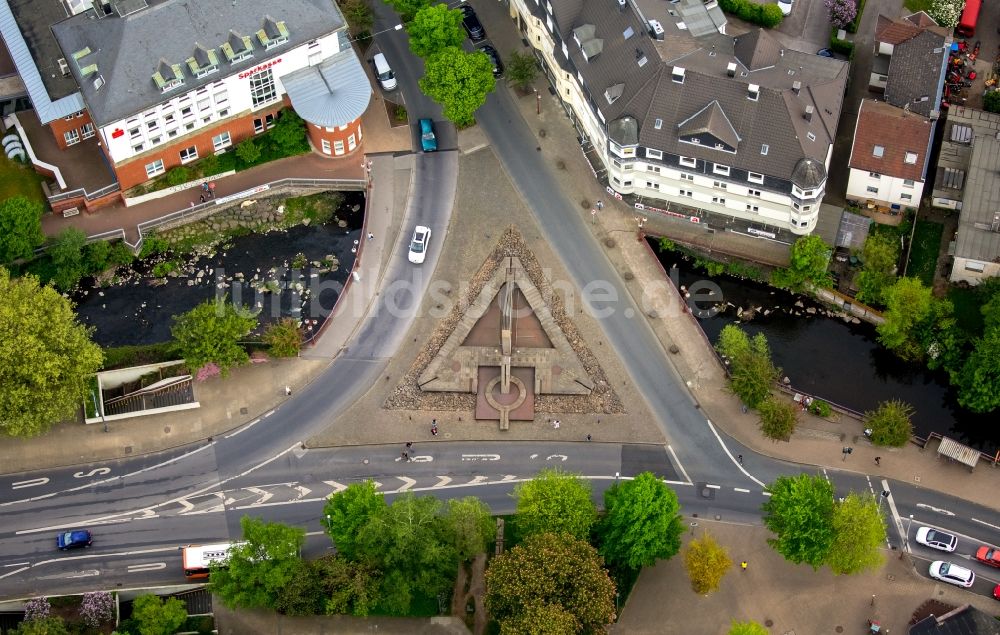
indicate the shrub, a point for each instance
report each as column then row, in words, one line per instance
column 843, row 47
column 154, row 245
column 991, row 101
column 67, row 257
column 890, row 423
column 283, row 338
column 120, row 254
column 777, row 418
column 946, row 12
column 841, row 12
column 289, row 134
column 770, row 16
column 522, row 69
column 248, row 152
column 37, row 609
column 820, row 408
column 178, row 175
column 209, row 165
column 163, row 269
column 95, row 256
column 97, row 607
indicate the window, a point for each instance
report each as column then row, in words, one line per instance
column 718, row 200
column 653, row 168
column 627, row 184
column 154, row 168
column 811, row 136
column 172, row 133
column 974, row 266
column 808, row 193
column 221, row 141
column 764, row 148
column 352, row 143
column 687, row 193
column 753, row 177
column 325, row 146
column 155, row 140
column 875, row 175
column 687, row 161
column 658, row 124
column 138, row 148
column 134, row 133
column 224, row 113
column 652, row 186
column 878, row 151
column 186, row 111
column 616, row 163
column 71, row 137
column 87, row 130
column 628, row 167
column 872, row 189
column 338, row 147
column 258, row 126
column 719, row 184
column 753, row 193
column 907, row 182
column 262, row 88
column 687, row 177
column 654, row 154
column 911, row 158
column 221, row 99
column 906, row 197
column 720, row 169
column 189, row 126
column 207, row 119
column 152, row 125
column 752, row 208
column 189, row 154
column 204, row 104
column 168, row 118
column 269, row 121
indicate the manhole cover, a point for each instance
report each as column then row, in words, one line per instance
column 166, row 429
column 839, row 629
column 128, row 449
column 244, row 410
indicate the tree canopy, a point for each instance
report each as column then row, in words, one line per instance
column 800, row 513
column 407, row 9
column 913, row 319
column 979, row 376
column 260, row 567
column 859, row 533
column 554, row 501
column 20, row 228
column 52, row 625
column 752, row 373
column 329, row 585
column 642, row 524
column 211, row 333
column 706, row 562
column 435, row 27
column 879, row 256
column 471, row 525
column 45, row 357
column 522, row 69
column 890, row 423
column 555, row 570
column 747, row 628
column 778, row 418
column 67, row 258
column 155, row 616
column 459, row 81
column 810, row 258
column 348, row 512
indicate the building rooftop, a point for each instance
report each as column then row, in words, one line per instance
column 129, row 59
column 964, row 620
column 886, row 135
column 918, row 63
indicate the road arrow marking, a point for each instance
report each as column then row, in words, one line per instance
column 561, row 457
column 262, row 496
column 152, row 566
column 337, row 487
column 480, row 457
column 478, row 480
column 86, row 573
column 442, row 481
column 423, row 458
column 407, row 483
column 35, row 482
column 508, row 478
column 302, row 490
column 377, row 485
column 533, row 456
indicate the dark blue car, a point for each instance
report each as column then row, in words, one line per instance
column 74, row 539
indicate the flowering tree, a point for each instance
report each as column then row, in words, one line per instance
column 841, row 12
column 36, row 609
column 97, row 607
column 946, row 12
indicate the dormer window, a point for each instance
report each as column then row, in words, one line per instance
column 753, row 92
column 677, row 75
column 614, row 92
column 168, row 76
column 203, row 62
column 237, row 47
column 274, row 33
column 910, row 157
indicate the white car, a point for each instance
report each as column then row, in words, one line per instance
column 936, row 539
column 418, row 244
column 952, row 573
column 785, row 6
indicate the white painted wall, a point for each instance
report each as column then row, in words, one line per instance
column 891, row 190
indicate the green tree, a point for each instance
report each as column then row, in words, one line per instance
column 979, row 376
column 289, row 133
column 642, row 523
column 53, row 625
column 410, row 543
column 890, row 423
column 908, row 306
column 706, row 562
column 407, row 9
column 96, row 255
column 554, row 501
column 303, row 594
column 880, row 256
column 858, row 533
column 211, row 332
column 770, row 16
column 522, row 69
column 778, row 418
column 155, row 616
column 348, row 512
column 45, row 357
column 260, row 567
column 810, row 258
column 350, row 588
column 554, row 570
column 248, row 152
column 435, row 27
column 358, row 14
column 541, row 619
column 283, row 338
column 459, row 81
column 471, row 526
column 752, row 373
column 20, row 228
column 67, row 257
column 747, row 628
column 800, row 513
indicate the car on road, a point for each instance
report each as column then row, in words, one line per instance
column 785, row 6
column 936, row 539
column 494, row 59
column 428, row 140
column 418, row 244
column 472, row 24
column 952, row 573
column 74, row 539
column 824, row 53
column 996, row 592
column 988, row 555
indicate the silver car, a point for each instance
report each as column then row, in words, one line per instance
column 936, row 539
column 418, row 244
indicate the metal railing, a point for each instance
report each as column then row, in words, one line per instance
column 90, row 196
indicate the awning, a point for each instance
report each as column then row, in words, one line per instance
column 332, row 93
column 958, row 452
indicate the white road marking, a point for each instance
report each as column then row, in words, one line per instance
column 302, row 490
column 508, row 478
column 423, row 458
column 936, row 509
column 442, row 481
column 262, row 496
column 86, row 573
column 97, row 471
column 766, row 493
column 407, row 483
column 710, row 486
column 478, row 480
column 337, row 487
column 244, row 428
column 35, row 482
column 741, row 490
column 480, row 457
column 677, row 462
column 533, row 456
column 268, row 414
column 983, row 522
column 152, row 566
column 731, row 457
column 561, row 457
column 14, row 572
column 16, row 564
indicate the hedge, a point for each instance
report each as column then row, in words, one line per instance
column 765, row 15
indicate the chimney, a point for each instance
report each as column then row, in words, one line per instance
column 731, row 69
column 753, row 92
column 796, row 86
column 808, row 116
column 678, row 75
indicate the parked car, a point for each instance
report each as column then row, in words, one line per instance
column 428, row 140
column 936, row 539
column 785, row 6
column 472, row 24
column 495, row 59
column 824, row 53
column 989, row 555
column 996, row 592
column 74, row 539
column 952, row 573
column 418, row 244
column 382, row 71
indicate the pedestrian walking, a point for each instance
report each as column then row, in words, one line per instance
column 405, row 456
column 288, row 390
column 434, row 427
column 600, row 205
column 201, row 198
column 370, row 235
column 409, row 445
column 588, row 437
column 555, row 424
column 744, row 408
column 743, row 565
column 739, row 459
column 878, row 460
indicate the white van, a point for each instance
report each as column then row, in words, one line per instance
column 383, row 72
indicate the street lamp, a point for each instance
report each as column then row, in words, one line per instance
column 906, row 538
column 398, row 27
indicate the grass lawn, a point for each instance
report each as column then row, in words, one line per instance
column 924, row 251
column 917, row 5
column 967, row 313
column 19, row 180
